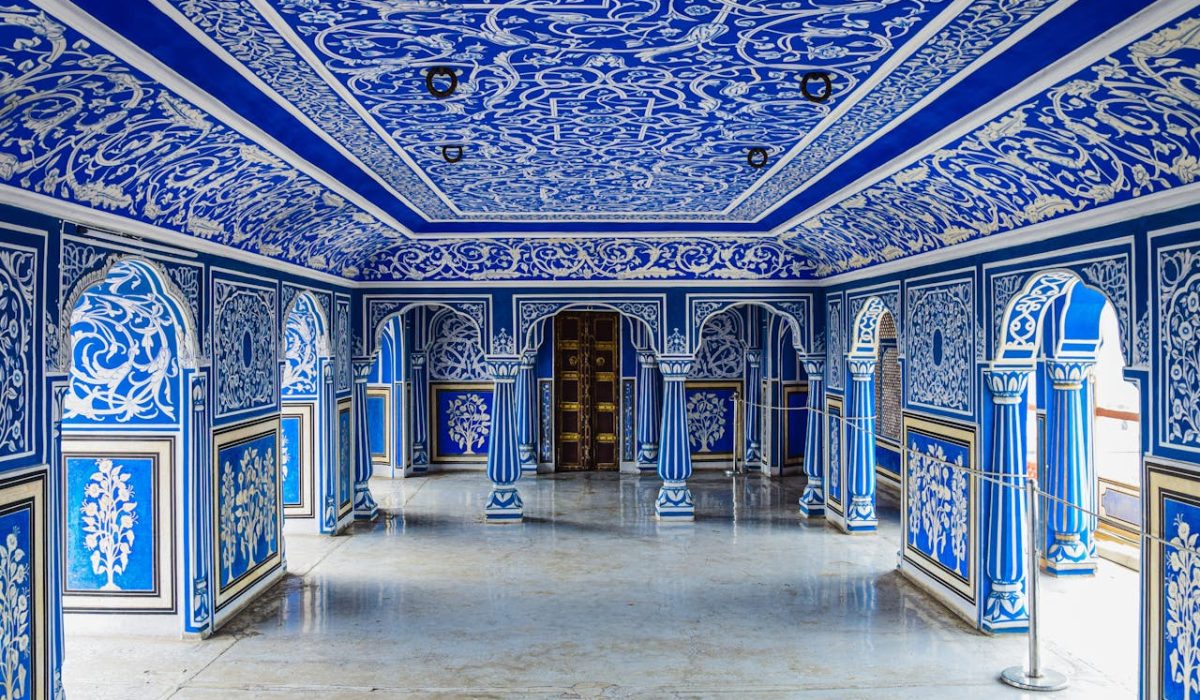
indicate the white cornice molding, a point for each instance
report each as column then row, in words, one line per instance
column 138, row 58
column 1116, row 38
column 584, row 284
column 1074, row 223
column 88, row 217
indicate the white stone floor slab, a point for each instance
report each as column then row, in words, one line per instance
column 591, row 598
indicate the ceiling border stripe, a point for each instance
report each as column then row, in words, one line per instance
column 120, row 47
column 1017, row 36
column 217, row 50
column 914, row 44
column 1113, row 40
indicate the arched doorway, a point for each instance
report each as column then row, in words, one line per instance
column 125, row 455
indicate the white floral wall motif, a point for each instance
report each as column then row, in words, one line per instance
column 722, row 353
column 706, row 420
column 454, row 352
column 248, row 513
column 125, row 353
column 245, row 346
column 468, row 422
column 1182, row 603
column 940, row 345
column 1179, row 345
column 18, row 280
column 837, row 342
column 108, row 515
column 938, row 504
column 15, row 641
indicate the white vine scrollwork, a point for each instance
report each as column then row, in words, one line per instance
column 248, row 515
column 1182, row 601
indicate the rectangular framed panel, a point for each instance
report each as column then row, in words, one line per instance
column 628, row 419
column 297, row 459
column 835, row 473
column 247, row 517
column 461, row 421
column 345, row 457
column 939, row 502
column 25, row 580
column 1170, row 582
column 712, row 429
column 118, row 510
column 795, row 400
column 379, row 424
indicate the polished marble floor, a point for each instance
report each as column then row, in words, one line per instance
column 591, row 598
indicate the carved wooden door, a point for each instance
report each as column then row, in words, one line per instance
column 587, row 374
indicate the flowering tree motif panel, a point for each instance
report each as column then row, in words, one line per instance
column 463, row 420
column 18, row 280
column 1180, row 597
column 301, row 338
column 18, row 609
column 247, row 501
column 939, row 500
column 124, row 353
column 454, row 350
column 111, row 515
column 244, row 347
column 710, row 409
column 833, row 451
column 342, row 349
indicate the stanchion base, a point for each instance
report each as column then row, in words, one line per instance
column 1017, row 677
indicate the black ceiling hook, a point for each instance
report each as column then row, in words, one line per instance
column 457, row 150
column 756, row 157
column 825, row 94
column 441, row 72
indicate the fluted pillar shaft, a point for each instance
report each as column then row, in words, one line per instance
column 812, row 501
column 860, row 451
column 526, row 391
column 1069, row 476
column 420, row 414
column 503, row 461
column 674, row 451
column 648, row 414
column 365, row 507
column 1006, row 534
column 753, row 411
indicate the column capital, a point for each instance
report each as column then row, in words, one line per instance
column 861, row 368
column 753, row 356
column 1007, row 384
column 504, row 367
column 1069, row 374
column 362, row 368
column 675, row 367
column 417, row 358
column 528, row 360
column 647, row 358
column 814, row 366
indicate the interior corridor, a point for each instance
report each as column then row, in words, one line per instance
column 592, row 597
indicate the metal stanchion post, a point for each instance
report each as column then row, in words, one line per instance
column 734, row 471
column 1035, row 677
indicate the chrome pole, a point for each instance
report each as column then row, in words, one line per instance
column 1035, row 677
column 737, row 432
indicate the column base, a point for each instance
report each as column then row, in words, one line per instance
column 675, row 502
column 529, row 468
column 860, row 516
column 647, row 467
column 1005, row 611
column 1068, row 555
column 420, row 468
column 504, row 505
column 1059, row 568
column 812, row 501
column 365, row 507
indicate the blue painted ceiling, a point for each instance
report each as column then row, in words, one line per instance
column 603, row 139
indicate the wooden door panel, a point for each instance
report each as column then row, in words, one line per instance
column 587, row 376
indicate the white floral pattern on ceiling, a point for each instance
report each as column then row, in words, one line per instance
column 1125, row 127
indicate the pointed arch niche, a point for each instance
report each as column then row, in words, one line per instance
column 1058, row 369
column 307, row 427
column 133, row 400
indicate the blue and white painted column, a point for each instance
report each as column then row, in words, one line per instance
column 365, row 507
column 812, row 501
column 526, row 390
column 674, row 448
column 648, row 415
column 860, row 450
column 503, row 461
column 420, row 412
column 1069, row 472
column 753, row 412
column 1005, row 530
